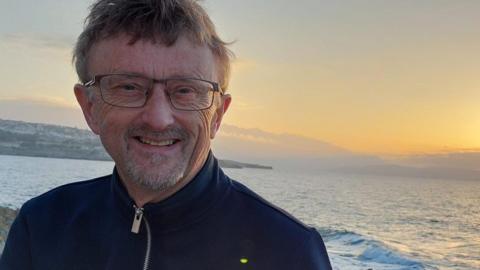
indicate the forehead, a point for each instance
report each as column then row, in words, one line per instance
column 183, row 58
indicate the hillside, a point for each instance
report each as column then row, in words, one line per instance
column 32, row 139
column 43, row 140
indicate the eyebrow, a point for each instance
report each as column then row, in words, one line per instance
column 174, row 75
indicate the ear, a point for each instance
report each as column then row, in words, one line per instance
column 86, row 102
column 217, row 119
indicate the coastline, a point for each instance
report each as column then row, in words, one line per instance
column 18, row 138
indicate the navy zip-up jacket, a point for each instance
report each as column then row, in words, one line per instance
column 212, row 223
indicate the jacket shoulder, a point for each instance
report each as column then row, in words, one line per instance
column 68, row 194
column 284, row 233
column 265, row 206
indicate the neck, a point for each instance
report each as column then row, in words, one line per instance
column 142, row 195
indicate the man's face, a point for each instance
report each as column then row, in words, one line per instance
column 140, row 139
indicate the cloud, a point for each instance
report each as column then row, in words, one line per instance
column 453, row 166
column 283, row 151
column 412, row 172
column 240, row 65
column 459, row 160
column 40, row 101
column 231, row 140
column 48, row 110
column 294, row 143
column 244, row 106
column 39, row 41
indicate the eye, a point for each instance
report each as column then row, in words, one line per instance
column 185, row 91
column 128, row 87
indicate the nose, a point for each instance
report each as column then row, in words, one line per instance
column 158, row 113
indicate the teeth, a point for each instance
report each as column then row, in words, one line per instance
column 157, row 143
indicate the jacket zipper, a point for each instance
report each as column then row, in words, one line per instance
column 146, row 262
column 137, row 221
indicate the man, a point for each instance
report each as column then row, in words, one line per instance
column 154, row 75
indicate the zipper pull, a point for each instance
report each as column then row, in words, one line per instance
column 137, row 219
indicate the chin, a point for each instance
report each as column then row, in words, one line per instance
column 157, row 179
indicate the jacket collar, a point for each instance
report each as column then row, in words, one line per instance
column 186, row 206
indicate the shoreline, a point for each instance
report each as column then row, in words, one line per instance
column 227, row 164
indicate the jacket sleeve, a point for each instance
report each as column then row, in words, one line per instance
column 16, row 254
column 314, row 254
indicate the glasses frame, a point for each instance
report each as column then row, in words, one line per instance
column 97, row 78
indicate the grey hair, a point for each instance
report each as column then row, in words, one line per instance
column 160, row 21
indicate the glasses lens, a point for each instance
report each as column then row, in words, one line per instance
column 125, row 90
column 190, row 94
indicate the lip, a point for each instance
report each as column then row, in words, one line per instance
column 157, row 142
column 156, row 145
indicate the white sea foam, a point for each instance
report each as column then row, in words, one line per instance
column 349, row 250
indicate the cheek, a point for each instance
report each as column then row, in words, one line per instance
column 110, row 121
column 207, row 119
column 106, row 113
column 203, row 123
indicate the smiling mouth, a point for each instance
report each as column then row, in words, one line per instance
column 157, row 143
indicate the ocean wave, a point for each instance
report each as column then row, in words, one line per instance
column 350, row 250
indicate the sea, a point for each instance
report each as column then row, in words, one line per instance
column 367, row 222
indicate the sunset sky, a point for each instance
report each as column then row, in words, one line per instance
column 383, row 77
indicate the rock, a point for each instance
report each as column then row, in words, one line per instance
column 7, row 216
